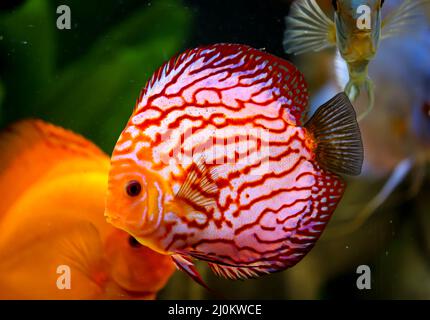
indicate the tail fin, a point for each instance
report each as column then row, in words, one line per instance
column 337, row 134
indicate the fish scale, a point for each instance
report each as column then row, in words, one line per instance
column 269, row 198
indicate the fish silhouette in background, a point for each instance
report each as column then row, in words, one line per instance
column 53, row 184
column 216, row 163
column 355, row 30
column 396, row 136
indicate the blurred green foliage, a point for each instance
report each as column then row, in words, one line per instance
column 86, row 79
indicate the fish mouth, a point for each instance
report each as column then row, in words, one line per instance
column 111, row 219
column 117, row 222
column 136, row 228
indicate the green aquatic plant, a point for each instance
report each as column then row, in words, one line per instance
column 86, row 78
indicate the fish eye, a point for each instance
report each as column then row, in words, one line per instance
column 133, row 188
column 133, row 242
column 334, row 4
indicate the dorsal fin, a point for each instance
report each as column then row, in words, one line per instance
column 246, row 66
column 29, row 148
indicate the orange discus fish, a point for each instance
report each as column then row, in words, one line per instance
column 216, row 164
column 52, row 185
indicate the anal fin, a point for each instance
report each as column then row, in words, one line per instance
column 233, row 272
column 185, row 264
column 239, row 273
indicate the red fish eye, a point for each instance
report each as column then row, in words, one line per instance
column 133, row 242
column 133, row 188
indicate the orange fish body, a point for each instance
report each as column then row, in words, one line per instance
column 53, row 186
column 216, row 164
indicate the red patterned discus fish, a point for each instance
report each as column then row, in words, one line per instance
column 216, row 164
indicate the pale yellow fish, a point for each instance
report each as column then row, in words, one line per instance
column 355, row 30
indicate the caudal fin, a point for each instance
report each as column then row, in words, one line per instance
column 337, row 135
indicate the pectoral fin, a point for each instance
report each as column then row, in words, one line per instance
column 199, row 188
column 82, row 249
column 308, row 28
column 407, row 18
